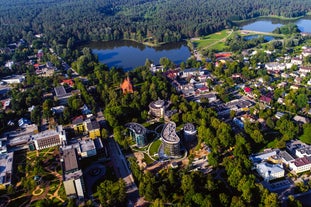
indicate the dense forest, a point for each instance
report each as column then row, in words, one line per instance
column 141, row 20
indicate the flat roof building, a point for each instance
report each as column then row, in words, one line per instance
column 72, row 175
column 301, row 164
column 270, row 171
column 170, row 140
column 6, row 163
column 49, row 138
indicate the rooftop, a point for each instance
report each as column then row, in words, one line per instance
column 45, row 134
column 6, row 162
column 70, row 159
column 157, row 104
column 169, row 133
column 298, row 162
column 92, row 125
column 60, row 91
column 87, row 145
column 265, row 168
column 286, row 156
column 73, row 175
column 189, row 127
column 137, row 128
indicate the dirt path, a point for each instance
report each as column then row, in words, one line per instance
column 221, row 40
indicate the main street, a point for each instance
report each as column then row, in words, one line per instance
column 122, row 171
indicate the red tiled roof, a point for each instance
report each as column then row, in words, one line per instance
column 265, row 99
column 302, row 161
column 223, row 54
column 247, row 90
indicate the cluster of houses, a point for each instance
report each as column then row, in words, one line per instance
column 191, row 83
column 272, row 163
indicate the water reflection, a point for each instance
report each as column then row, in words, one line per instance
column 129, row 54
column 269, row 24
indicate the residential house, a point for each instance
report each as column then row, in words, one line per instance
column 265, row 99
column 275, row 66
column 296, row 61
column 93, row 128
column 306, row 52
column 78, row 124
column 5, row 103
column 305, row 69
column 301, row 119
column 294, row 87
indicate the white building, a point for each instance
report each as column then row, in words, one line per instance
column 260, row 157
column 270, row 171
column 302, row 152
column 301, row 164
column 304, row 69
column 14, row 79
column 49, row 138
column 6, row 163
column 275, row 66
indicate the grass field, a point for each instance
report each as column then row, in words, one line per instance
column 212, row 41
column 155, row 147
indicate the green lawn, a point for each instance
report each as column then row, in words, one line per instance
column 154, row 147
column 147, row 159
column 212, row 41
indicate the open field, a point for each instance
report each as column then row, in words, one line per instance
column 212, row 41
column 217, row 40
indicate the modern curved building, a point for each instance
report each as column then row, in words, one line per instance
column 157, row 108
column 138, row 133
column 170, row 140
column 189, row 132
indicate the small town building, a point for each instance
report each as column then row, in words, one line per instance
column 270, row 171
column 301, row 164
column 49, row 138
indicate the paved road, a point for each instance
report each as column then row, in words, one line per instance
column 122, row 171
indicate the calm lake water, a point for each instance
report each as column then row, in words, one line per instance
column 269, row 24
column 266, row 37
column 129, row 54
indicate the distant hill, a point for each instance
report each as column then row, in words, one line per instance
column 158, row 20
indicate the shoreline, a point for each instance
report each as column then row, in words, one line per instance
column 272, row 17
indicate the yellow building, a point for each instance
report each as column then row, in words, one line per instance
column 93, row 128
column 78, row 124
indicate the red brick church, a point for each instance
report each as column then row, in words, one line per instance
column 127, row 86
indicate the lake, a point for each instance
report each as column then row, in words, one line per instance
column 129, row 54
column 266, row 37
column 270, row 24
